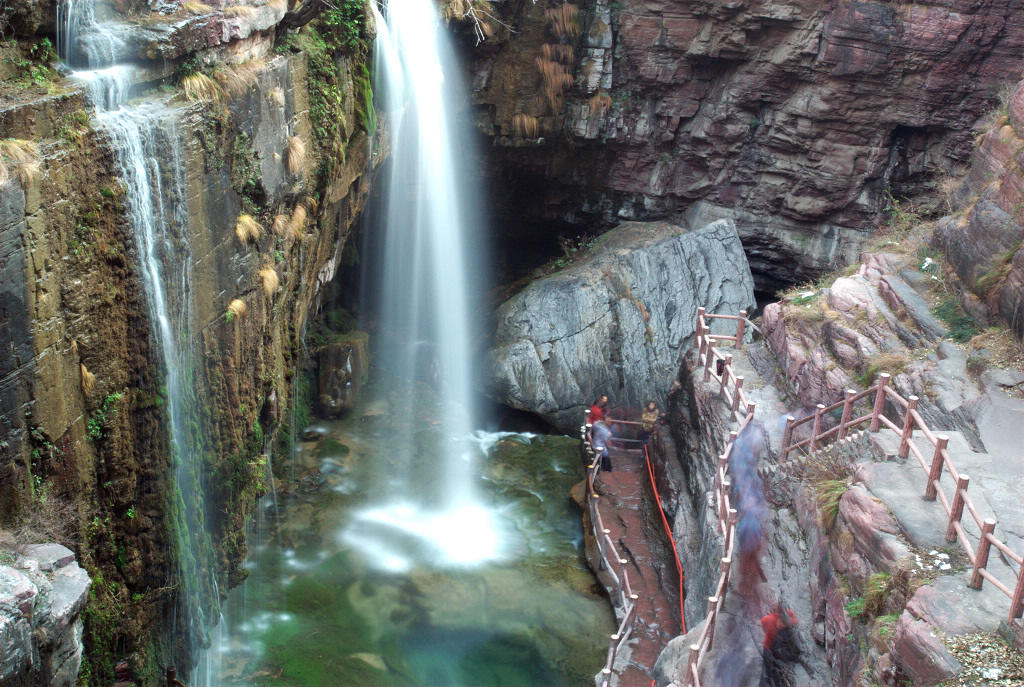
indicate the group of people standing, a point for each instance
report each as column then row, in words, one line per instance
column 601, row 432
column 781, row 645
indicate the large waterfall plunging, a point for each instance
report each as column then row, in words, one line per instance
column 429, row 218
column 144, row 137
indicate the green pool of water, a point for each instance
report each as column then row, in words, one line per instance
column 318, row 611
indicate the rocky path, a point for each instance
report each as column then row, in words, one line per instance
column 630, row 513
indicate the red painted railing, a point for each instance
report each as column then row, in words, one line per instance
column 906, row 422
column 611, row 560
column 718, row 368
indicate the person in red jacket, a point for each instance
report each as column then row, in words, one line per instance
column 781, row 646
column 597, row 410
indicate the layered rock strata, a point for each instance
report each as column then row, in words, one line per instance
column 983, row 238
column 791, row 118
column 616, row 322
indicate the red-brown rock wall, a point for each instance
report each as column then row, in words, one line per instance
column 791, row 117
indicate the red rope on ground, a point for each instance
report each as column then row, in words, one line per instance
column 668, row 531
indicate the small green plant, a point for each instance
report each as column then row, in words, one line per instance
column 962, row 327
column 976, row 364
column 804, row 298
column 130, row 512
column 876, row 590
column 136, row 597
column 97, row 425
column 855, row 607
column 886, row 625
column 902, row 215
column 994, row 276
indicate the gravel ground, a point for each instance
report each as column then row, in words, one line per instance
column 987, row 660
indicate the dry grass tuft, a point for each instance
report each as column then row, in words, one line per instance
column 240, row 11
column 311, row 204
column 280, row 6
column 49, row 518
column 199, row 87
column 280, row 226
column 28, row 172
column 558, row 53
column 196, row 7
column 270, row 281
column 599, row 103
column 236, row 308
column 556, row 79
column 239, row 78
column 88, row 380
column 295, row 155
column 247, row 229
column 5, row 175
column 564, row 20
column 297, row 223
column 19, row 150
column 525, row 126
column 276, row 96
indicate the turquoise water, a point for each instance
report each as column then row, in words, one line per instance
column 318, row 611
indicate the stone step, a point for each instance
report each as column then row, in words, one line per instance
column 887, row 443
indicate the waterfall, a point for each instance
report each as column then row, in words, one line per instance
column 145, row 140
column 428, row 221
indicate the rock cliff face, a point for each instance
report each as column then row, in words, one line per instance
column 82, row 421
column 792, row 118
column 983, row 238
column 617, row 322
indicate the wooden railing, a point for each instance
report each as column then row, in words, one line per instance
column 610, row 560
column 718, row 367
column 954, row 505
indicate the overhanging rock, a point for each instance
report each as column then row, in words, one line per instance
column 616, row 322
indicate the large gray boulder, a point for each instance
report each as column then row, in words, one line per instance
column 618, row 321
column 41, row 601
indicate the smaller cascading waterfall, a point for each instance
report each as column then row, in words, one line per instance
column 147, row 146
column 428, row 219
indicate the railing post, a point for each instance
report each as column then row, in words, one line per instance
column 702, row 343
column 883, row 381
column 729, row 532
column 726, row 371
column 691, row 663
column 736, row 394
column 723, row 518
column 957, row 510
column 818, row 409
column 712, row 608
column 740, row 326
column 1017, row 602
column 787, row 437
column 941, row 442
column 981, row 556
column 750, row 408
column 847, row 411
column 908, row 427
column 709, row 362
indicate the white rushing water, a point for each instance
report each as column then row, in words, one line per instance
column 145, row 139
column 429, row 222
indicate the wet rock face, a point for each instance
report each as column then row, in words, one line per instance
column 983, row 238
column 790, row 117
column 341, row 371
column 618, row 322
column 41, row 599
